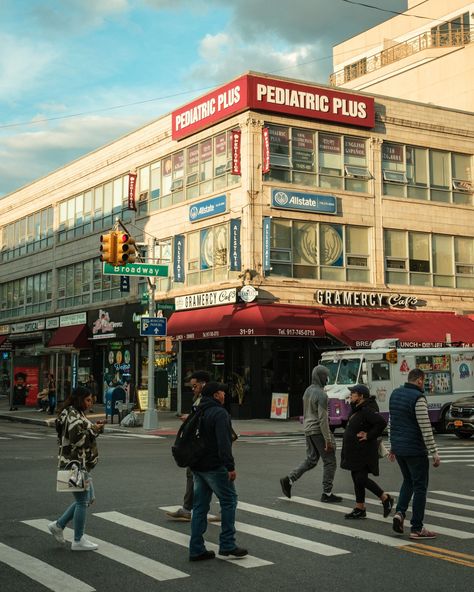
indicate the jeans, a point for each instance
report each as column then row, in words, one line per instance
column 205, row 484
column 415, row 471
column 188, row 494
column 314, row 451
column 77, row 511
column 362, row 482
column 52, row 402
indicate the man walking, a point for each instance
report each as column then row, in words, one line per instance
column 214, row 473
column 411, row 439
column 198, row 380
column 320, row 443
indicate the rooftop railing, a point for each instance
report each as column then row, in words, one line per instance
column 400, row 51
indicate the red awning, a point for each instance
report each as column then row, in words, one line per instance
column 246, row 320
column 3, row 338
column 75, row 336
column 358, row 328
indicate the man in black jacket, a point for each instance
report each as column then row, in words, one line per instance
column 214, row 473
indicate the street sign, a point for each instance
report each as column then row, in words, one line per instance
column 124, row 283
column 136, row 269
column 155, row 326
column 164, row 305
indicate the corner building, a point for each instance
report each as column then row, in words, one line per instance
column 294, row 218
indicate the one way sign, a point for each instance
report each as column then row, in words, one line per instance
column 153, row 326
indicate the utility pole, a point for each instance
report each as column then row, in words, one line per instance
column 150, row 421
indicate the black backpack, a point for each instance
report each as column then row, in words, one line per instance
column 189, row 446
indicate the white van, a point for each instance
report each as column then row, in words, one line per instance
column 449, row 375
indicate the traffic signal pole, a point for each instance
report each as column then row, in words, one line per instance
column 150, row 421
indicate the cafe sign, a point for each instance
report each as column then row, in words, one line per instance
column 364, row 299
column 205, row 299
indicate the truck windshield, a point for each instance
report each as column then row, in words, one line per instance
column 345, row 371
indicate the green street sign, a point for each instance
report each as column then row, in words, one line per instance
column 136, row 269
column 164, row 305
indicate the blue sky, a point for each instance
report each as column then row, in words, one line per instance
column 96, row 69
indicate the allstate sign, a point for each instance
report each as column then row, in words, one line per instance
column 307, row 202
column 209, row 207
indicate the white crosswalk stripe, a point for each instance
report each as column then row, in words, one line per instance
column 297, row 511
column 153, row 569
column 173, row 536
column 41, row 572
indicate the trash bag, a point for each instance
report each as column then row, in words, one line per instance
column 132, row 420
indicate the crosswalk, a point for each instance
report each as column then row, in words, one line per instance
column 262, row 528
column 12, row 436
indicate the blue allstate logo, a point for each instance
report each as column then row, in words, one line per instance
column 193, row 212
column 281, row 198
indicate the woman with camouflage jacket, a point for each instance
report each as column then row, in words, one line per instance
column 77, row 442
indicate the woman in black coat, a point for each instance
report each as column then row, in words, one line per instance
column 360, row 450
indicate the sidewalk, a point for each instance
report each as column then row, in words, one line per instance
column 168, row 422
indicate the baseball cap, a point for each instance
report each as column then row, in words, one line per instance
column 361, row 389
column 212, row 387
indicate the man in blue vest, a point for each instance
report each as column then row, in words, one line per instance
column 411, row 439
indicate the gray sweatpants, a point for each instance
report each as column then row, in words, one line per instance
column 314, row 451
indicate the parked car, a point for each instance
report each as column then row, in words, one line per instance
column 460, row 417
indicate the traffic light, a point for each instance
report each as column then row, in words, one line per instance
column 108, row 247
column 126, row 249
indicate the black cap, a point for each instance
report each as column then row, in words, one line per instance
column 212, row 387
column 361, row 389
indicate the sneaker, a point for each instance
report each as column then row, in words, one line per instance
column 422, row 534
column 397, row 523
column 57, row 532
column 286, row 486
column 83, row 545
column 237, row 553
column 356, row 514
column 202, row 556
column 181, row 514
column 387, row 505
column 330, row 498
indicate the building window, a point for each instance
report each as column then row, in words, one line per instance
column 313, row 250
column 452, row 33
column 317, row 159
column 207, row 255
column 27, row 235
column 197, row 170
column 429, row 174
column 84, row 283
column 422, row 259
column 26, row 296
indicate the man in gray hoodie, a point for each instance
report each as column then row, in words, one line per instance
column 320, row 442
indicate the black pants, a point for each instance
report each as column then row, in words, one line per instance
column 361, row 483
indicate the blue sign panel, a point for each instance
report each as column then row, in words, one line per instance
column 207, row 208
column 153, row 326
column 124, row 283
column 234, row 247
column 305, row 202
column 267, row 222
column 178, row 258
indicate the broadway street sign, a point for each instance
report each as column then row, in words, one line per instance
column 136, row 269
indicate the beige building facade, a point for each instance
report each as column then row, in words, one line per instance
column 293, row 217
column 426, row 54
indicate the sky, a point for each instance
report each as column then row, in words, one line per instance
column 77, row 74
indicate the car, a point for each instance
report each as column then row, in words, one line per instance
column 460, row 417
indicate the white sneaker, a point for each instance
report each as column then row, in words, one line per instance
column 83, row 545
column 57, row 532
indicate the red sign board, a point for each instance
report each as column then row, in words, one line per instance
column 276, row 96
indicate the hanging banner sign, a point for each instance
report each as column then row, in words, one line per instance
column 235, row 257
column 236, row 136
column 132, row 182
column 178, row 262
column 267, row 221
column 266, row 151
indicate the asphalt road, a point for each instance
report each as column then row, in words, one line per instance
column 300, row 545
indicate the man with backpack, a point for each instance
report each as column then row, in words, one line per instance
column 214, row 472
column 198, row 381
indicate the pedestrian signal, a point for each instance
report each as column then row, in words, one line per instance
column 126, row 249
column 391, row 356
column 108, row 247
